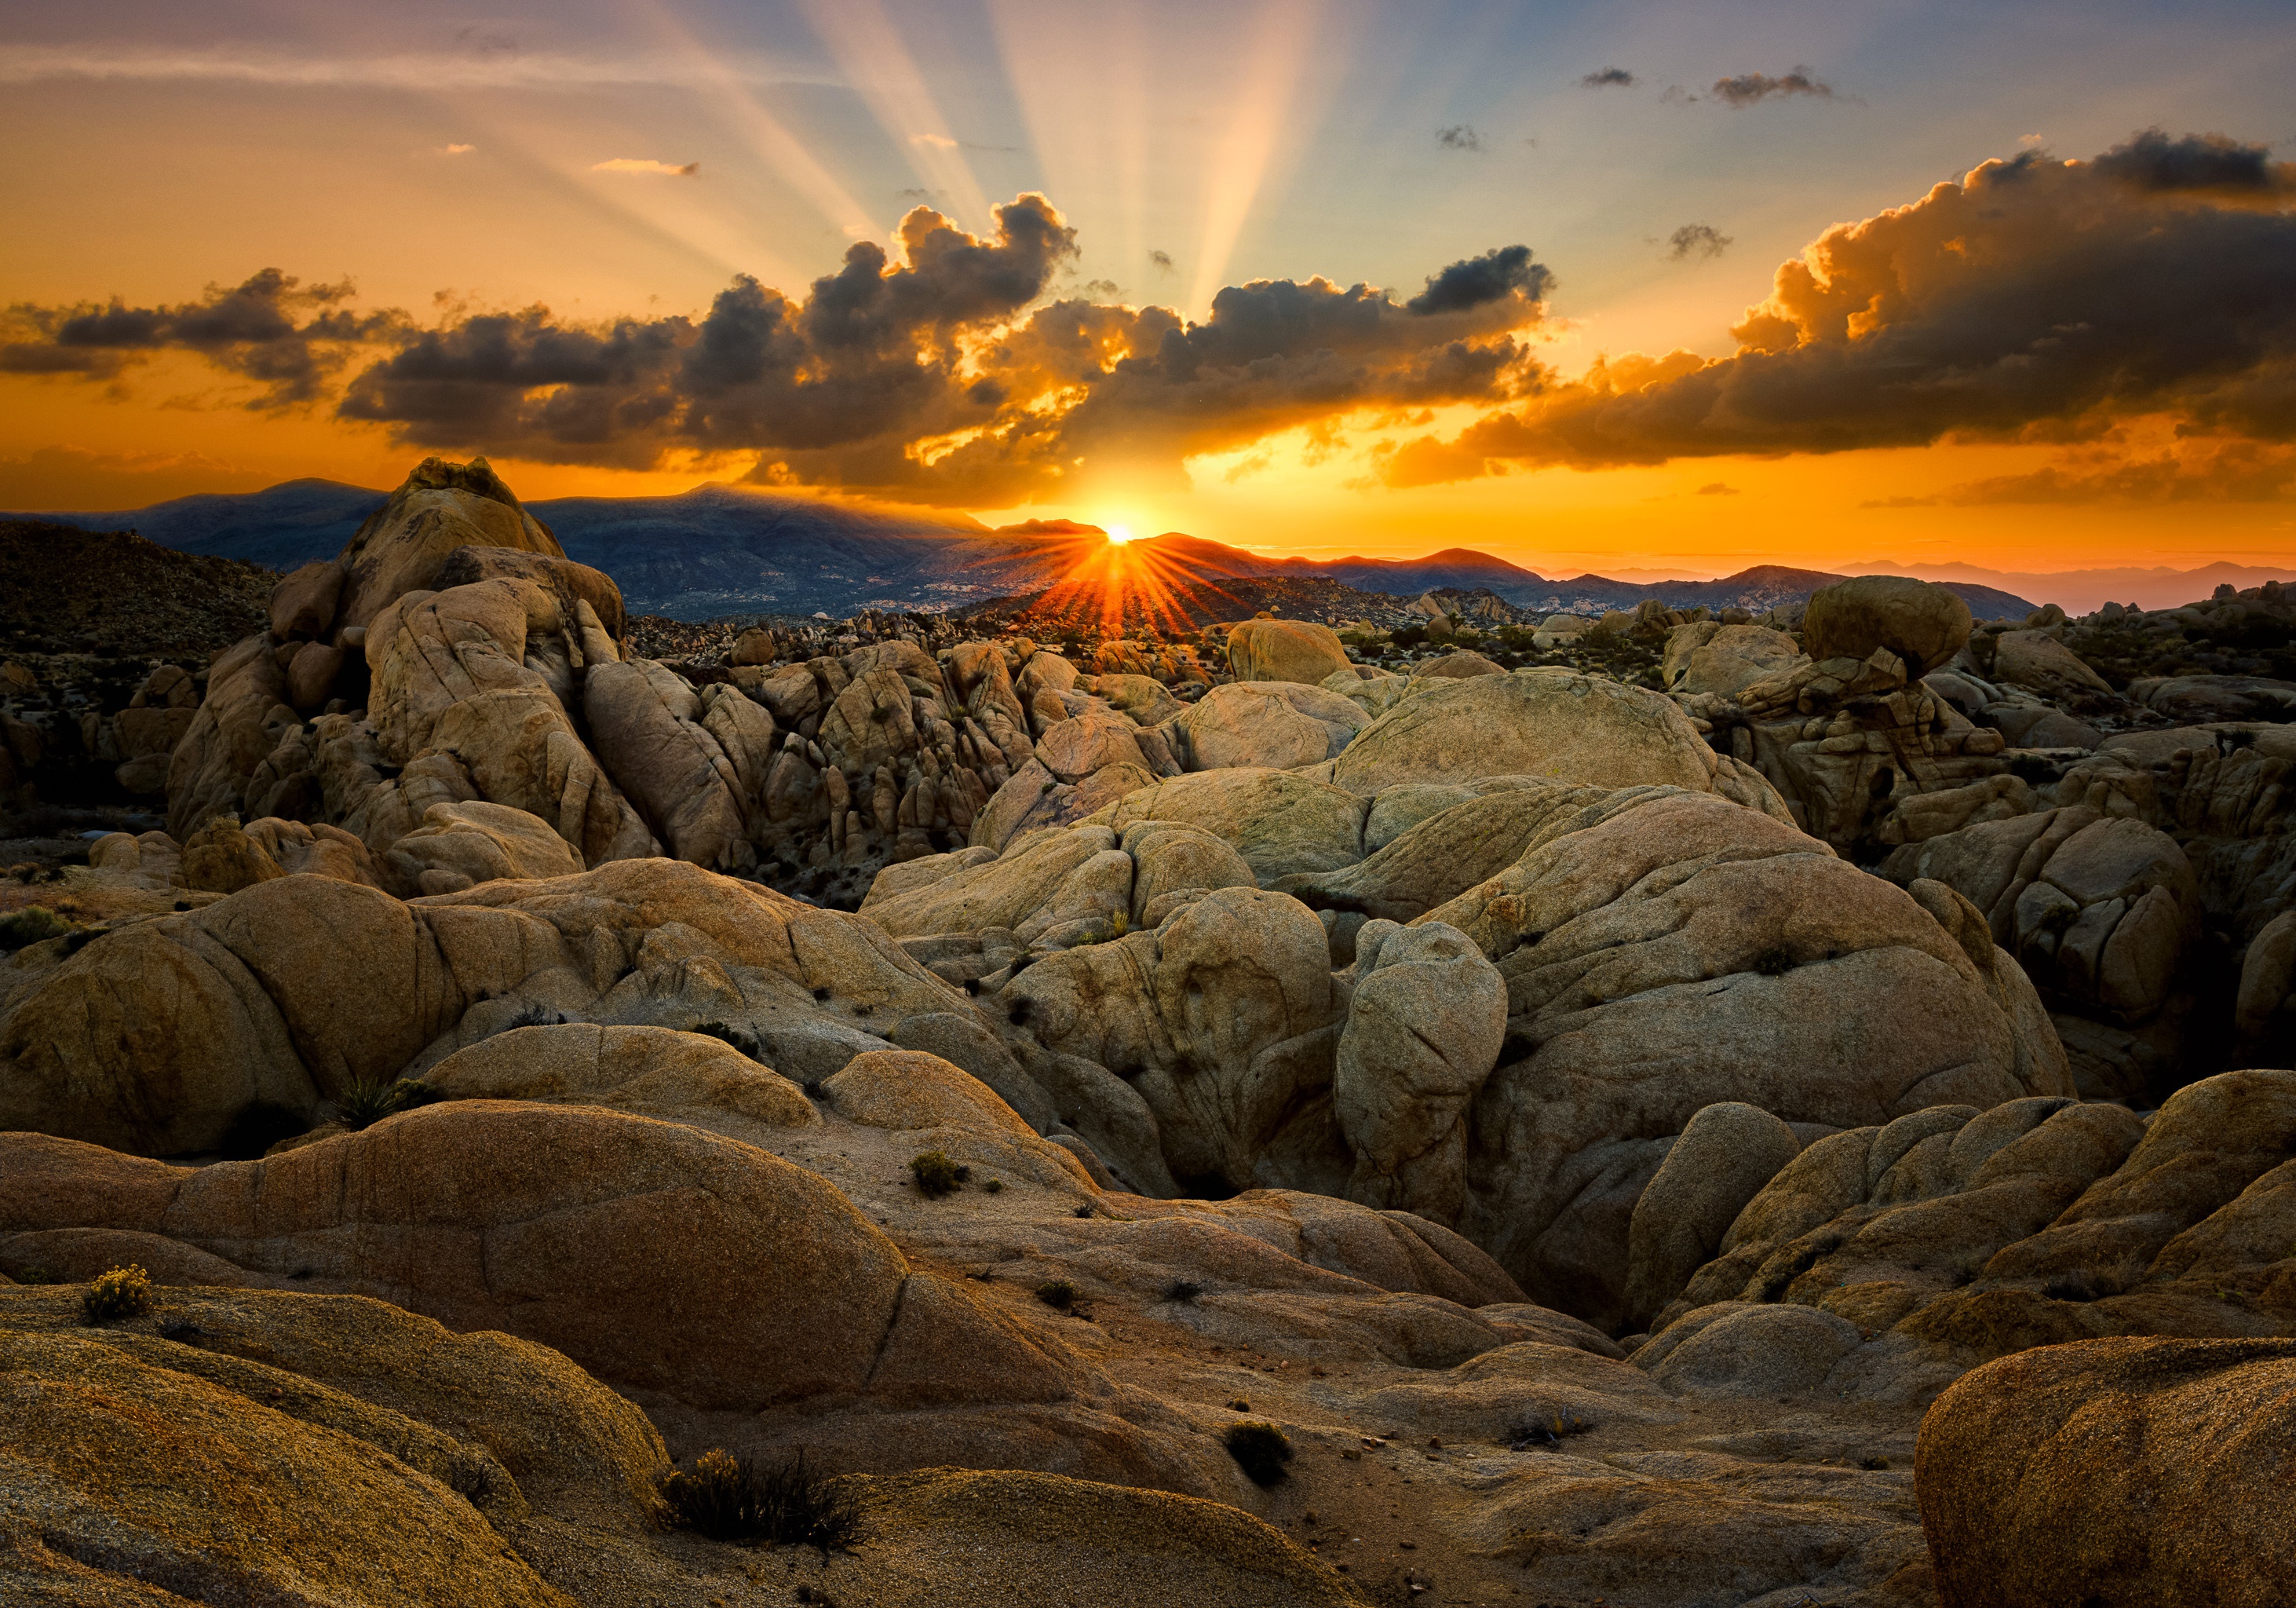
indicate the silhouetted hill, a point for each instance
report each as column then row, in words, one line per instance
column 725, row 550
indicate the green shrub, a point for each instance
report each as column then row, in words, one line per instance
column 365, row 1103
column 730, row 1499
column 119, row 1293
column 936, row 1174
column 1260, row 1450
column 995, row 1186
column 33, row 924
column 1057, row 1293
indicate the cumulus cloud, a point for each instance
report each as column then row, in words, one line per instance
column 1607, row 77
column 2211, row 164
column 2032, row 300
column 289, row 337
column 938, row 370
column 1459, row 136
column 1701, row 240
column 1753, row 88
column 640, row 164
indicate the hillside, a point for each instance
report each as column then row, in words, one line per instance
column 65, row 590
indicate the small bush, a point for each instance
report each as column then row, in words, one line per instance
column 39, row 1273
column 935, row 1173
column 534, row 1016
column 2070, row 1286
column 1548, row 1431
column 729, row 1499
column 33, row 924
column 740, row 1037
column 1057, row 1293
column 1083, row 1210
column 995, row 1186
column 1183, row 1289
column 365, row 1103
column 120, row 1293
column 1260, row 1450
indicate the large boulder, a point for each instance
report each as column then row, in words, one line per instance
column 1280, row 822
column 460, row 845
column 1278, row 725
column 1952, row 1236
column 1922, row 623
column 646, row 725
column 2037, row 661
column 1670, row 951
column 451, row 673
column 1284, row 650
column 163, row 1037
column 1707, row 656
column 2117, row 1471
column 704, row 1276
column 441, row 506
column 1537, row 723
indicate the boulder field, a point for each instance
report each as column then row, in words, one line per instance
column 1795, row 1133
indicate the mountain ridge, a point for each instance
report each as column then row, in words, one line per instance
column 719, row 549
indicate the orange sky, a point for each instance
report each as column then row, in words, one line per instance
column 450, row 169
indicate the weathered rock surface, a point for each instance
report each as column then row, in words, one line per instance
column 2114, row 1471
column 1284, row 650
column 1922, row 623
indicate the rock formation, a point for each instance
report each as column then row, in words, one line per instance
column 1177, row 1117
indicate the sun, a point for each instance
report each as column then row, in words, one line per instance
column 1120, row 534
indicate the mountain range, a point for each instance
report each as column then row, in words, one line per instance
column 720, row 550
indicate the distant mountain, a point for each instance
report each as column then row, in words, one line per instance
column 2084, row 591
column 720, row 550
column 279, row 527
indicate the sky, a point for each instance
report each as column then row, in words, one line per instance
column 1626, row 286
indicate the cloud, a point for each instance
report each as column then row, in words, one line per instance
column 2210, row 165
column 939, row 142
column 1702, row 241
column 936, row 370
column 457, row 150
column 1753, row 88
column 1607, row 77
column 1162, row 261
column 640, row 164
column 289, row 337
column 1459, row 136
column 1717, row 489
column 2034, row 300
column 1494, row 274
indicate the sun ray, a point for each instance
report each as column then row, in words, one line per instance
column 883, row 73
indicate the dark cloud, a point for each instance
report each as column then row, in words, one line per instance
column 1459, row 136
column 287, row 336
column 2199, row 164
column 1752, row 88
column 1607, row 77
column 939, row 372
column 1508, row 271
column 2034, row 300
column 1701, row 241
column 1162, row 261
column 1717, row 489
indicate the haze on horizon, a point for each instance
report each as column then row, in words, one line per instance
column 1641, row 288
